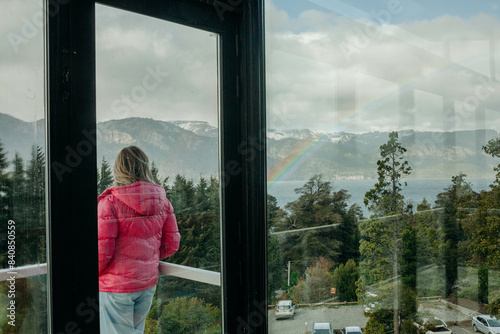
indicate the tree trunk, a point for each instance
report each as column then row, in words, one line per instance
column 482, row 287
column 396, row 280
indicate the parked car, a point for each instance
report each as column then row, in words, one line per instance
column 431, row 326
column 285, row 309
column 352, row 330
column 487, row 324
column 322, row 328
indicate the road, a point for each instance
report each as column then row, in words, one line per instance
column 462, row 330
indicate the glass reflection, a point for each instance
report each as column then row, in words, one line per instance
column 23, row 283
column 382, row 154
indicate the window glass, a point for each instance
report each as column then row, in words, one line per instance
column 383, row 161
column 157, row 89
column 494, row 323
column 23, row 279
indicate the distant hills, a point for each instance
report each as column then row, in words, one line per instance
column 347, row 155
column 190, row 148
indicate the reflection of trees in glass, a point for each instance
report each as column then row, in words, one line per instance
column 386, row 198
column 306, row 247
column 315, row 287
column 430, row 248
column 22, row 199
column 380, row 321
column 18, row 190
column 34, row 228
column 408, row 269
column 31, row 303
column 276, row 267
column 4, row 193
column 493, row 148
column 389, row 224
column 482, row 227
column 318, row 206
column 455, row 201
column 429, row 235
column 344, row 280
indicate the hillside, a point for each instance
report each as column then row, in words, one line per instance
column 191, row 148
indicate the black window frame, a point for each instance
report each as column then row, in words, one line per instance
column 71, row 157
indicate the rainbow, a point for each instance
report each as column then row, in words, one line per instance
column 294, row 160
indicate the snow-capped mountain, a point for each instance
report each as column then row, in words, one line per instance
column 203, row 129
column 191, row 148
column 306, row 134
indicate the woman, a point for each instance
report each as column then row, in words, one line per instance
column 137, row 228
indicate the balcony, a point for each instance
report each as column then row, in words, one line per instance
column 30, row 311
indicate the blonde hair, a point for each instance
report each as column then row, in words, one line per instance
column 132, row 165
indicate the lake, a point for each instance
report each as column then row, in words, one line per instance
column 416, row 190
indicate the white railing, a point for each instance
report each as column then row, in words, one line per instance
column 25, row 271
column 168, row 269
column 190, row 273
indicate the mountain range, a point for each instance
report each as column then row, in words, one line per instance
column 190, row 148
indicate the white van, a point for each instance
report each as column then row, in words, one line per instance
column 352, row 330
column 285, row 309
column 322, row 328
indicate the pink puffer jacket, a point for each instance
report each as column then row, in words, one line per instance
column 137, row 228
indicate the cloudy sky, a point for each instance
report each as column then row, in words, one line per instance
column 332, row 65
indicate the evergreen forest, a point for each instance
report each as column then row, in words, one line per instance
column 316, row 242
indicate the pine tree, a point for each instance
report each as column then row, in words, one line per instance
column 213, row 194
column 276, row 266
column 182, row 196
column 19, row 190
column 34, row 227
column 197, row 211
column 104, row 177
column 5, row 204
column 482, row 226
column 201, row 200
column 348, row 230
column 4, row 185
column 429, row 234
column 493, row 148
column 317, row 206
column 344, row 280
column 457, row 196
column 386, row 200
column 429, row 241
column 409, row 267
column 162, row 181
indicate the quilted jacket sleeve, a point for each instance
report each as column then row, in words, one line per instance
column 107, row 232
column 170, row 238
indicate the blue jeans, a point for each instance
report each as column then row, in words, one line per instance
column 124, row 313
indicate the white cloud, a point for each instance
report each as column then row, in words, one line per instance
column 127, row 45
column 21, row 60
column 446, row 56
column 324, row 71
